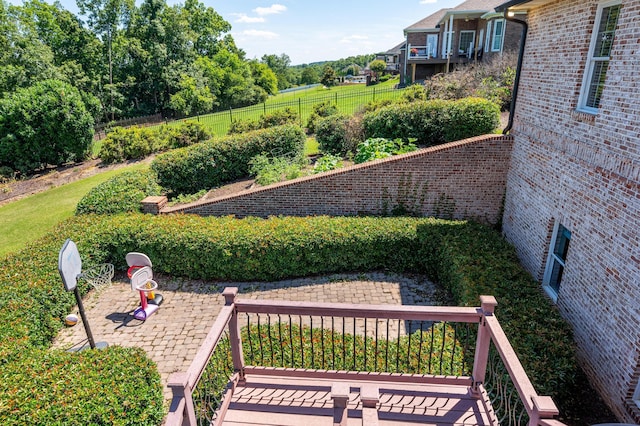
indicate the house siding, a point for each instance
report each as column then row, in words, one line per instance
column 584, row 172
column 460, row 180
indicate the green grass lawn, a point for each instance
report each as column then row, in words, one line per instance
column 347, row 98
column 30, row 218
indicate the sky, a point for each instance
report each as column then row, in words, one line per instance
column 312, row 31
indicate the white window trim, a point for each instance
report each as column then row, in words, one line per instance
column 481, row 40
column 493, row 35
column 487, row 44
column 586, row 78
column 551, row 257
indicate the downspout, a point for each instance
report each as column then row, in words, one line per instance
column 516, row 82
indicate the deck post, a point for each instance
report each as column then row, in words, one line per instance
column 179, row 384
column 235, row 338
column 543, row 408
column 487, row 307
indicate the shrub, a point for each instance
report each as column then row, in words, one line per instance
column 433, row 122
column 268, row 170
column 276, row 118
column 415, row 92
column 327, row 162
column 185, row 134
column 120, row 194
column 320, row 110
column 331, row 134
column 210, row 164
column 279, row 118
column 376, row 148
column 471, row 117
column 47, row 123
column 242, row 126
column 131, row 143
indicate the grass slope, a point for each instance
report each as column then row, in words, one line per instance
column 30, row 218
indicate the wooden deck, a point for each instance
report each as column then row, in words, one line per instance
column 270, row 400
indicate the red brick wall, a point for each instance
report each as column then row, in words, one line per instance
column 583, row 171
column 459, row 180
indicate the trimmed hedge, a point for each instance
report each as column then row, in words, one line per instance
column 210, row 164
column 433, row 122
column 120, row 194
column 466, row 258
column 137, row 142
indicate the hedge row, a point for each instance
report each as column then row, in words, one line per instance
column 120, row 194
column 137, row 142
column 433, row 122
column 212, row 163
column 466, row 258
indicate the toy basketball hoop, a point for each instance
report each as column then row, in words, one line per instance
column 99, row 276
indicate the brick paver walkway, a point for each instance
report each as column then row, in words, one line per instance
column 172, row 336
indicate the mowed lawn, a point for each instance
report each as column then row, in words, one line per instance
column 347, row 98
column 30, row 218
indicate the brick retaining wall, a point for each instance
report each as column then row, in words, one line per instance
column 459, row 180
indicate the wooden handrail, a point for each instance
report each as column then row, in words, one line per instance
column 348, row 310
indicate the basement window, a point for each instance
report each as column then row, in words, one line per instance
column 599, row 56
column 556, row 260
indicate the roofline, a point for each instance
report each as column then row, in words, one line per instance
column 421, row 30
column 507, row 5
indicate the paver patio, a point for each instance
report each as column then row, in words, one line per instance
column 172, row 336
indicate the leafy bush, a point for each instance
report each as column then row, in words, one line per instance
column 47, row 123
column 120, row 194
column 210, row 164
column 242, row 126
column 331, row 134
column 130, row 143
column 471, row 117
column 376, row 148
column 327, row 162
column 276, row 118
column 268, row 170
column 320, row 110
column 185, row 134
column 433, row 122
column 415, row 92
column 279, row 118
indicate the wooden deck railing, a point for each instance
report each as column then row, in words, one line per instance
column 412, row 344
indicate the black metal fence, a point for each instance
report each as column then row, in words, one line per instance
column 219, row 122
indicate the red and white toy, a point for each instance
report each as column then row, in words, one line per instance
column 141, row 276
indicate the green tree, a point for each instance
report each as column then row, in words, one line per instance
column 104, row 18
column 194, row 97
column 264, row 77
column 47, row 123
column 378, row 66
column 329, row 77
column 280, row 66
column 309, row 76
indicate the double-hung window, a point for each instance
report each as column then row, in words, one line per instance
column 599, row 56
column 498, row 35
column 556, row 260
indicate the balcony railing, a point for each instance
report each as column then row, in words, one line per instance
column 424, row 345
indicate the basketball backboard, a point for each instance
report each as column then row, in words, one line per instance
column 69, row 264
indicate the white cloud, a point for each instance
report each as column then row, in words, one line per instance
column 271, row 10
column 428, row 1
column 262, row 34
column 244, row 19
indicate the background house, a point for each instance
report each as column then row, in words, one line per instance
column 573, row 192
column 392, row 58
column 469, row 32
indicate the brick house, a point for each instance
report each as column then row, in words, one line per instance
column 573, row 189
column 392, row 58
column 466, row 33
